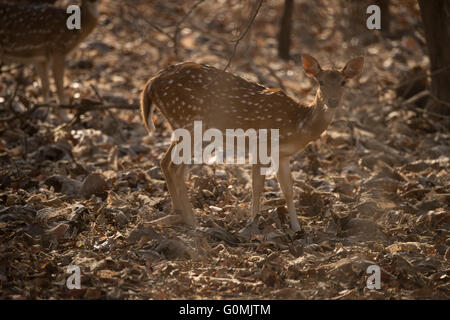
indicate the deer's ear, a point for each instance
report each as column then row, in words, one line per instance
column 311, row 66
column 353, row 67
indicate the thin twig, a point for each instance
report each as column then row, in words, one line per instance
column 179, row 23
column 243, row 34
column 174, row 38
column 445, row 103
column 261, row 78
column 109, row 112
column 151, row 24
column 274, row 74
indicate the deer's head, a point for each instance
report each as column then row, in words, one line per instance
column 332, row 82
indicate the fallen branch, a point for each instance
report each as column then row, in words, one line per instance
column 89, row 106
column 81, row 108
column 419, row 77
column 421, row 95
column 438, row 100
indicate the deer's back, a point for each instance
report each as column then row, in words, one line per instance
column 188, row 91
column 35, row 30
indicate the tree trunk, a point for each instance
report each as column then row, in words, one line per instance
column 284, row 37
column 436, row 21
column 385, row 15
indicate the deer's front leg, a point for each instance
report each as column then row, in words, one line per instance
column 42, row 70
column 58, row 74
column 285, row 180
column 257, row 189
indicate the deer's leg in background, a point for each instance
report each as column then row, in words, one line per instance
column 42, row 70
column 58, row 74
column 171, row 178
column 257, row 189
column 285, row 180
column 180, row 185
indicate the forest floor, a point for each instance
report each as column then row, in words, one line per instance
column 372, row 190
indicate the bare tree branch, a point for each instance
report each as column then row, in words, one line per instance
column 179, row 23
column 151, row 24
column 175, row 37
column 243, row 34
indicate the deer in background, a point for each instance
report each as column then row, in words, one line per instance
column 37, row 33
column 188, row 91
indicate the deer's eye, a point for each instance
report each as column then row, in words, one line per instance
column 343, row 82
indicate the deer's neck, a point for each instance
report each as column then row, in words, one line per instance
column 319, row 118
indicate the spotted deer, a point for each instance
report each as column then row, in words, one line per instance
column 187, row 92
column 38, row 33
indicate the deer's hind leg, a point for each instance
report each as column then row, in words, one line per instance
column 42, row 70
column 257, row 190
column 170, row 176
column 58, row 67
column 187, row 211
column 174, row 174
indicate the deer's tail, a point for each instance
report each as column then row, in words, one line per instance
column 147, row 107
